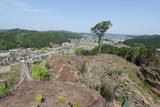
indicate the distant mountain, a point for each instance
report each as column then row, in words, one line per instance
column 3, row 30
column 112, row 34
column 121, row 35
column 58, row 31
column 86, row 34
column 148, row 40
column 28, row 38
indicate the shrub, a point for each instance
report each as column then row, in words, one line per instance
column 34, row 105
column 47, row 65
column 4, row 89
column 84, row 67
column 75, row 104
column 36, row 62
column 78, row 51
column 95, row 87
column 106, row 93
column 39, row 98
column 61, row 98
column 81, row 51
column 139, row 56
column 40, row 72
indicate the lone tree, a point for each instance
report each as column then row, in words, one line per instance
column 99, row 30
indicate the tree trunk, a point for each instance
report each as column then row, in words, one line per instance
column 99, row 43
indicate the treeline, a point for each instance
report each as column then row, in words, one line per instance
column 16, row 38
column 138, row 56
column 147, row 40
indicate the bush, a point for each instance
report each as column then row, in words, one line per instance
column 139, row 56
column 61, row 98
column 36, row 62
column 47, row 65
column 75, row 104
column 4, row 89
column 39, row 98
column 84, row 67
column 106, row 93
column 81, row 51
column 40, row 72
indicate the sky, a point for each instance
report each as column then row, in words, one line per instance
column 127, row 16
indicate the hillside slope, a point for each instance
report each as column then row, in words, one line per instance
column 71, row 80
column 16, row 38
column 148, row 40
column 118, row 75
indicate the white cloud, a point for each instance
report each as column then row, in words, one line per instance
column 21, row 5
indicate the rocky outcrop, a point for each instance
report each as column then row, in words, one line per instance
column 151, row 74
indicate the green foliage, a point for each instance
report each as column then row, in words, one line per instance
column 138, row 45
column 106, row 93
column 78, row 51
column 100, row 29
column 75, row 104
column 119, row 98
column 40, row 72
column 139, row 56
column 145, row 86
column 95, row 87
column 84, row 68
column 47, row 65
column 81, row 51
column 4, row 89
column 26, row 38
column 36, row 62
column 39, row 98
column 107, row 49
column 61, row 98
column 34, row 105
column 147, row 40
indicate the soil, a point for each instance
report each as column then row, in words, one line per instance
column 74, row 92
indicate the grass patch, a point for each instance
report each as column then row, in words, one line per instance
column 41, row 73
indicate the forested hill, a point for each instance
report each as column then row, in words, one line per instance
column 3, row 30
column 27, row 38
column 148, row 40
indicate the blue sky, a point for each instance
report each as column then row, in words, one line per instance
column 127, row 16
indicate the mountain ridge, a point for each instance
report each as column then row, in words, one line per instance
column 16, row 38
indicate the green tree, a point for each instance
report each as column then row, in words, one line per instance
column 99, row 30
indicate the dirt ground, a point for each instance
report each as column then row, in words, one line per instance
column 74, row 92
